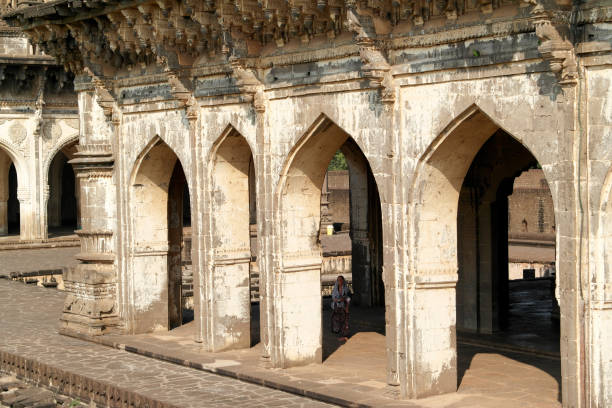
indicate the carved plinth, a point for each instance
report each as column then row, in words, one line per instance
column 91, row 306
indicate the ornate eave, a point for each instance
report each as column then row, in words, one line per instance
column 113, row 41
column 106, row 36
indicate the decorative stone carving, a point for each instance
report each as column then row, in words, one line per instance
column 249, row 85
column 375, row 64
column 554, row 47
column 18, row 133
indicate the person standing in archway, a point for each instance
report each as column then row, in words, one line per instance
column 341, row 298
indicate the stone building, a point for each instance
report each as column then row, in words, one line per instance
column 531, row 226
column 436, row 105
column 39, row 128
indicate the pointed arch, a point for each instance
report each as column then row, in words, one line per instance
column 434, row 204
column 9, row 196
column 298, row 208
column 155, row 196
column 61, row 204
column 53, row 152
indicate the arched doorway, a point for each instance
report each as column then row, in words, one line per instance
column 232, row 214
column 157, row 195
column 361, row 240
column 489, row 299
column 301, row 304
column 62, row 204
column 460, row 231
column 9, row 204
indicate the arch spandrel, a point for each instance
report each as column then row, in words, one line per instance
column 230, row 129
column 139, row 137
column 65, row 142
column 19, row 162
column 364, row 125
column 142, row 146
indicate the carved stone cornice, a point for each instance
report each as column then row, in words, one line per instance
column 106, row 35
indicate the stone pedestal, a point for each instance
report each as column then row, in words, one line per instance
column 90, row 305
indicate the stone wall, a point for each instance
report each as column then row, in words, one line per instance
column 411, row 94
column 38, row 120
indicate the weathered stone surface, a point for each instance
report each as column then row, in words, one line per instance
column 416, row 88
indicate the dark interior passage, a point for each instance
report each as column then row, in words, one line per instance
column 13, row 213
column 62, row 203
column 491, row 308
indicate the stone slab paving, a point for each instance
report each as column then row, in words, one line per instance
column 26, row 260
column 353, row 374
column 28, row 329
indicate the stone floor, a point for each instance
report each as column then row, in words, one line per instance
column 353, row 371
column 29, row 317
column 26, row 260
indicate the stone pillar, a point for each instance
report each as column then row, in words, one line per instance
column 486, row 283
column 90, row 305
column 326, row 216
column 232, row 301
column 300, row 306
column 467, row 248
column 230, row 290
column 175, row 247
column 77, row 195
column 3, row 217
column 360, row 240
column 432, row 335
column 26, row 214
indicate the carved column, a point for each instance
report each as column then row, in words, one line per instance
column 90, row 305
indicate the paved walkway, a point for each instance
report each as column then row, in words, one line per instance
column 29, row 317
column 354, row 371
column 27, row 260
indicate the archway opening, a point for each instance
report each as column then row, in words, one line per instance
column 13, row 211
column 505, row 291
column 233, row 220
column 460, row 231
column 312, row 259
column 158, row 262
column 351, row 240
column 63, row 215
column 9, row 204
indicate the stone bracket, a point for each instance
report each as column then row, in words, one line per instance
column 249, row 84
column 376, row 67
column 555, row 47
